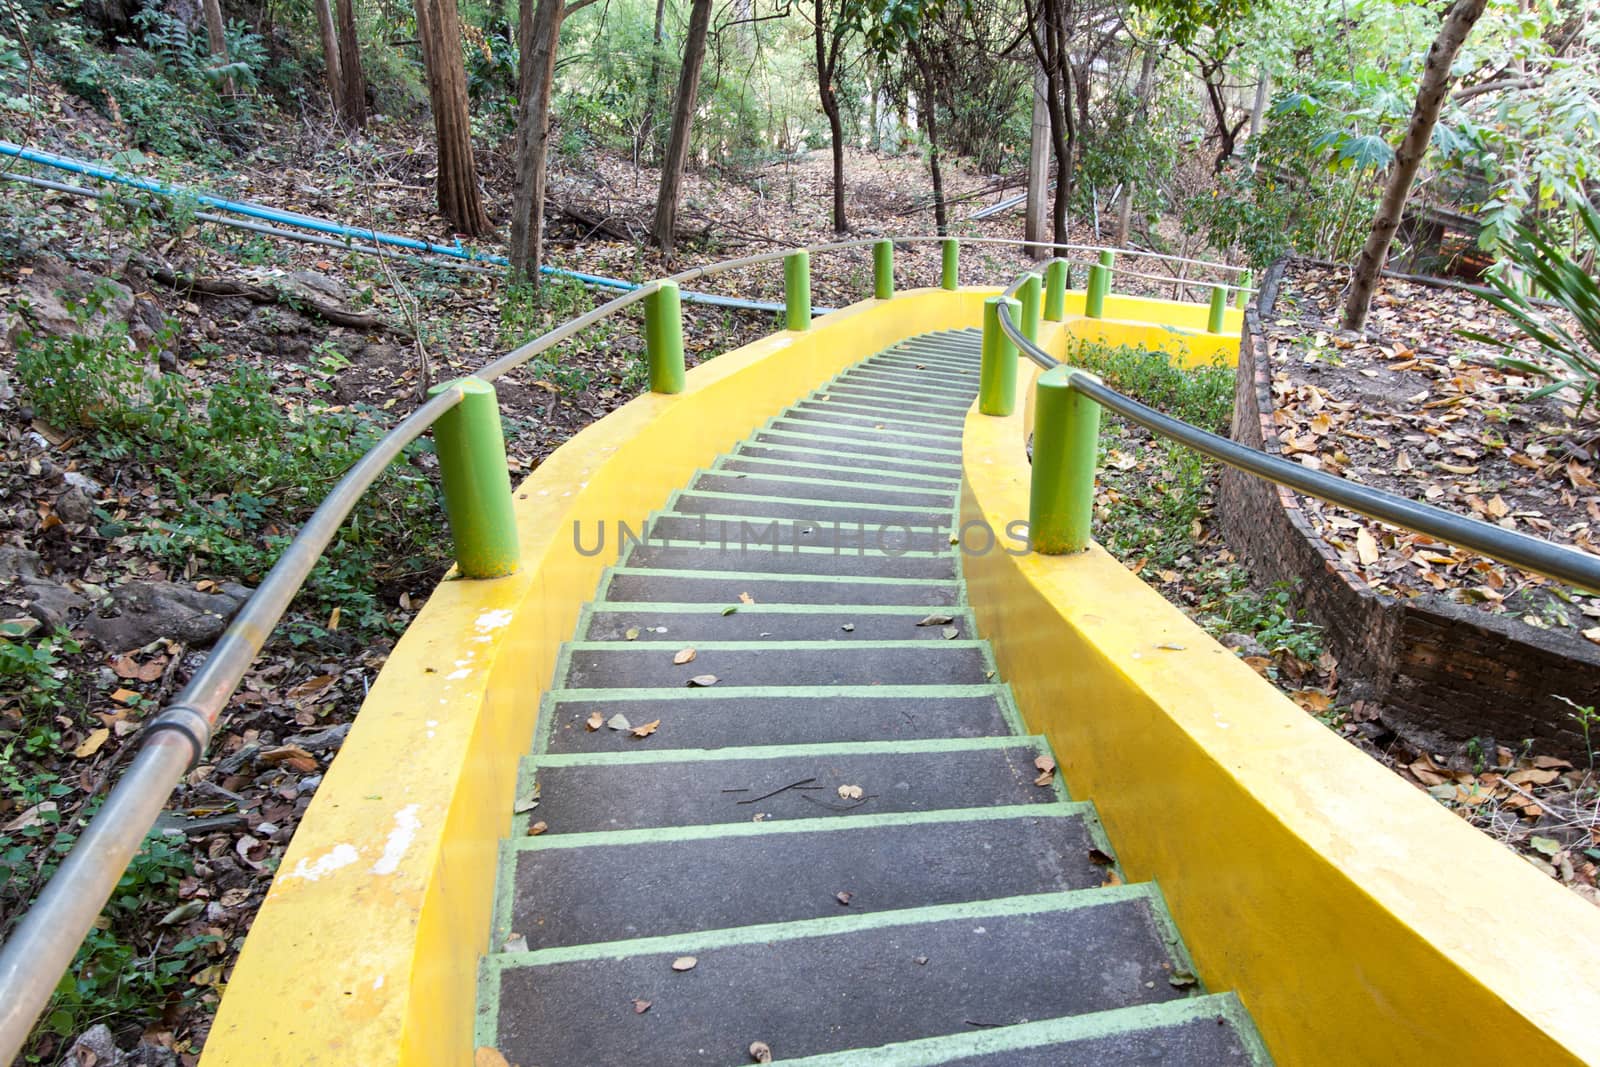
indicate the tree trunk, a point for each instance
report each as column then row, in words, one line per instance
column 694, row 55
column 827, row 59
column 1141, row 93
column 355, row 84
column 217, row 38
column 1258, row 110
column 651, row 123
column 539, row 31
column 1458, row 22
column 930, row 104
column 439, row 30
column 1038, row 169
column 330, row 53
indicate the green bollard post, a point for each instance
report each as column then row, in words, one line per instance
column 797, row 290
column 1108, row 259
column 1066, row 440
column 883, row 270
column 1219, row 308
column 1030, row 294
column 1094, row 298
column 1056, row 281
column 949, row 274
column 1243, row 298
column 663, row 338
column 477, row 484
column 997, row 373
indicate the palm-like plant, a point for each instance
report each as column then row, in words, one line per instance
column 1571, row 359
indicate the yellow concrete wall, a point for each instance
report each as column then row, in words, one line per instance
column 366, row 949
column 1360, row 922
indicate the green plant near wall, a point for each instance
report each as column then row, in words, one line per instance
column 1566, row 359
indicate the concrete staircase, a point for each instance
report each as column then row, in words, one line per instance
column 846, row 849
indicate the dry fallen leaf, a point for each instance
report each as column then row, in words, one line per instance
column 746, row 598
column 701, row 681
column 538, row 828
column 1044, row 763
column 91, row 744
column 684, row 963
column 760, row 1052
column 937, row 620
column 1099, row 858
column 1366, row 547
column 647, row 729
column 843, row 898
column 631, row 633
column 684, row 655
column 851, row 792
column 640, row 1006
column 594, row 721
column 619, row 722
column 1112, row 878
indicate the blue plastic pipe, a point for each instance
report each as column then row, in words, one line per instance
column 376, row 237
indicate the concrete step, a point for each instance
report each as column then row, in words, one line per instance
column 575, row 889
column 644, row 664
column 818, row 467
column 913, row 384
column 656, row 784
column 722, row 717
column 767, row 559
column 893, row 415
column 773, row 508
column 635, row 584
column 731, row 531
column 844, row 444
column 815, row 487
column 1203, row 1031
column 834, row 458
column 890, row 399
column 869, row 429
column 830, row 985
column 766, row 622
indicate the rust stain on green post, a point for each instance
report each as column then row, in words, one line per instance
column 477, row 483
column 1030, row 293
column 1094, row 298
column 949, row 275
column 1056, row 280
column 1219, row 309
column 1066, row 440
column 663, row 338
column 797, row 290
column 997, row 374
column 883, row 270
column 1245, row 278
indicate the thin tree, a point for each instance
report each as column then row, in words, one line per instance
column 1049, row 30
column 829, row 33
column 539, row 32
column 354, row 111
column 1141, row 93
column 332, row 72
column 662, row 231
column 1038, row 170
column 439, row 30
column 1458, row 23
column 217, row 38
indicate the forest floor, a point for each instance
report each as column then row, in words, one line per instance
column 124, row 510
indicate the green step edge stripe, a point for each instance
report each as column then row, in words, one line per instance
column 924, row 372
column 1021, row 1037
column 907, row 380
column 869, row 424
column 950, row 459
column 745, row 475
column 946, row 422
column 863, row 394
column 866, row 505
column 931, row 480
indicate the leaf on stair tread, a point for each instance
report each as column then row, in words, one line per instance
column 950, row 633
column 843, row 897
column 631, row 633
column 702, row 681
column 1099, row 858
column 746, row 598
column 515, row 943
column 1112, row 878
column 937, row 620
column 647, row 729
column 1182, row 979
column 851, row 792
column 619, row 721
column 1047, row 764
column 761, row 1052
column 849, row 627
column 683, row 655
column 594, row 721
column 538, row 828
column 684, row 963
column 730, row 609
column 640, row 1006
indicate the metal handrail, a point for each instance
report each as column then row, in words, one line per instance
column 1506, row 546
column 43, row 944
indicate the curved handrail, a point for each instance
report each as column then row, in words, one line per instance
column 43, row 944
column 1507, row 546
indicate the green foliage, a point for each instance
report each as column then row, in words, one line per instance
column 1574, row 289
column 29, row 673
column 244, row 470
column 1201, row 396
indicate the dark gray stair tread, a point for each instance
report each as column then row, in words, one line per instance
column 849, row 493
column 865, row 428
column 927, row 369
column 643, row 664
column 795, row 453
column 908, row 383
column 717, row 589
column 765, row 622
column 813, row 995
column 581, row 798
column 766, row 559
column 928, row 481
column 881, row 538
column 890, row 400
column 614, row 892
column 891, row 414
column 689, row 502
column 1211, row 1041
column 715, row 719
column 848, row 445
